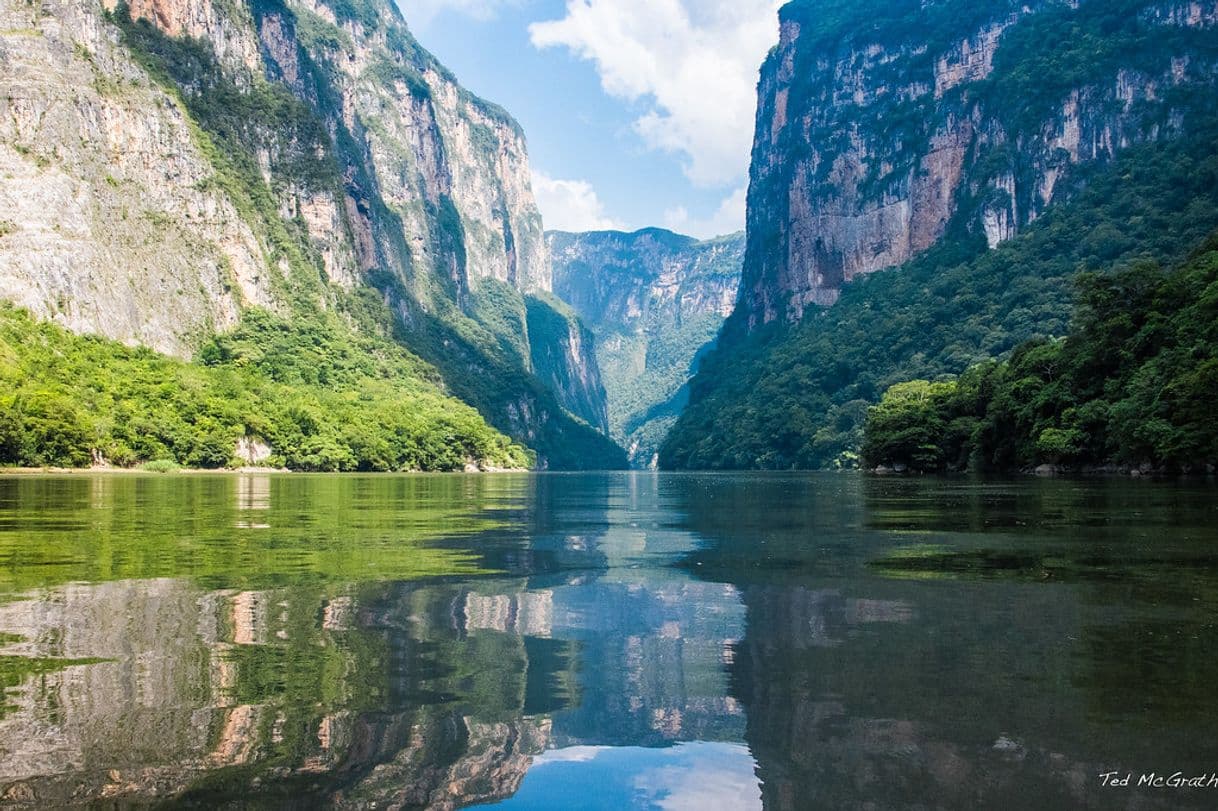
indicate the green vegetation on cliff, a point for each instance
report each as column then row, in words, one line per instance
column 654, row 300
column 480, row 365
column 798, row 396
column 319, row 397
column 1134, row 384
column 475, row 341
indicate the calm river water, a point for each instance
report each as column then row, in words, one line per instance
column 609, row 641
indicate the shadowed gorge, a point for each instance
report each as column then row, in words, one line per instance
column 655, row 302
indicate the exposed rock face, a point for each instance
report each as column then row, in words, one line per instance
column 654, row 300
column 362, row 162
column 564, row 357
column 450, row 169
column 110, row 225
column 212, row 20
column 873, row 139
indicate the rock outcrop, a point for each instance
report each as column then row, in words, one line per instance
column 880, row 129
column 564, row 357
column 654, row 300
column 448, row 172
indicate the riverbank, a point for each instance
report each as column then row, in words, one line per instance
column 130, row 471
column 195, row 471
column 1050, row 471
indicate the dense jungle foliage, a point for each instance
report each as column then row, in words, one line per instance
column 320, row 398
column 798, row 396
column 1133, row 385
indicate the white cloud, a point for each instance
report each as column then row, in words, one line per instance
column 727, row 219
column 701, row 776
column 694, row 63
column 570, row 754
column 570, row 205
column 420, row 13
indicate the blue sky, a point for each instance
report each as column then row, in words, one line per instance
column 685, row 777
column 638, row 112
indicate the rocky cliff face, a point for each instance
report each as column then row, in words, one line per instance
column 882, row 127
column 450, row 170
column 109, row 222
column 985, row 151
column 654, row 300
column 564, row 356
column 167, row 164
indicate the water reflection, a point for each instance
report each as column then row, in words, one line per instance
column 693, row 776
column 338, row 641
column 675, row 641
column 984, row 685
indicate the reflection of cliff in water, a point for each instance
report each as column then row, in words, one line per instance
column 291, row 690
column 430, row 693
column 979, row 688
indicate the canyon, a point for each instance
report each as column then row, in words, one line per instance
column 654, row 301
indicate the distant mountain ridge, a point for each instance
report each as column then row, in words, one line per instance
column 654, row 301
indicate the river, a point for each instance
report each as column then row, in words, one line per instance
column 614, row 641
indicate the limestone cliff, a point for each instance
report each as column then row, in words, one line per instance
column 882, row 127
column 654, row 300
column 450, row 170
column 986, row 152
column 167, row 164
column 563, row 356
column 109, row 221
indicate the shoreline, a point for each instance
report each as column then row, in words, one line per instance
column 236, row 471
column 1089, row 473
column 1050, row 472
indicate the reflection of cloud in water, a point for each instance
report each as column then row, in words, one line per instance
column 705, row 776
column 686, row 777
column 570, row 754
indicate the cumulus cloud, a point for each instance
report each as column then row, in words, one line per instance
column 728, row 218
column 692, row 63
column 570, row 205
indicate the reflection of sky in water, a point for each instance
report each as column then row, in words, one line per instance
column 687, row 777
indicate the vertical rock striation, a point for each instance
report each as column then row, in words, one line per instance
column 110, row 222
column 167, row 164
column 987, row 151
column 879, row 129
